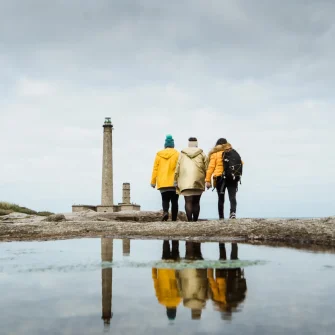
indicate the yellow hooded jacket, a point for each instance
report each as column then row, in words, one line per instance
column 164, row 168
column 165, row 283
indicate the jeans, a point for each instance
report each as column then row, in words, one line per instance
column 232, row 190
column 167, row 197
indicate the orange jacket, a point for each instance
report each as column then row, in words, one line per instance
column 215, row 166
column 218, row 287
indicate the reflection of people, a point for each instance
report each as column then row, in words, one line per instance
column 229, row 286
column 165, row 281
column 193, row 282
column 190, row 177
column 163, row 177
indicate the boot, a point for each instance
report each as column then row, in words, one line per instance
column 165, row 216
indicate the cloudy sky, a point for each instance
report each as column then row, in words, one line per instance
column 260, row 73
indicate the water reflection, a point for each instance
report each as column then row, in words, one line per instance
column 165, row 281
column 107, row 280
column 226, row 287
column 62, row 287
column 193, row 282
column 126, row 247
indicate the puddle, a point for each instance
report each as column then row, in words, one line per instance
column 95, row 286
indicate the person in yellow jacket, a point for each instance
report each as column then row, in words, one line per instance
column 215, row 171
column 163, row 178
column 165, row 281
column 190, row 177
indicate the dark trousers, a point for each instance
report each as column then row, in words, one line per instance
column 167, row 197
column 232, row 190
column 168, row 252
column 192, row 207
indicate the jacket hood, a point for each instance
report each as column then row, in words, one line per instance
column 192, row 152
column 167, row 153
column 220, row 147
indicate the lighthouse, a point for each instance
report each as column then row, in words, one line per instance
column 107, row 164
column 107, row 196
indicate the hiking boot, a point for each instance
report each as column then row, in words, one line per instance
column 232, row 215
column 165, row 216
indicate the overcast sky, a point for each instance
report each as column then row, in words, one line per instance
column 260, row 73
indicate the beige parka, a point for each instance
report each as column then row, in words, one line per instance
column 191, row 169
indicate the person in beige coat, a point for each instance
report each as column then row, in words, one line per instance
column 193, row 283
column 190, row 176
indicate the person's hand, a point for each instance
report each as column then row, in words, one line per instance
column 153, row 185
column 208, row 185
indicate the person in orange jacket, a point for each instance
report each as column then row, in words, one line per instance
column 165, row 281
column 163, row 177
column 215, row 170
column 229, row 286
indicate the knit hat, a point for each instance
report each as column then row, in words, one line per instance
column 169, row 142
column 192, row 142
column 171, row 312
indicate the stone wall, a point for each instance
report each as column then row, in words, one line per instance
column 80, row 208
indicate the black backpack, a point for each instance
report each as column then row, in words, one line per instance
column 233, row 166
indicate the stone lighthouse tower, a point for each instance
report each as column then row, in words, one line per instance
column 107, row 167
column 107, row 199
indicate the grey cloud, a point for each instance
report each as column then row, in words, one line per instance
column 234, row 39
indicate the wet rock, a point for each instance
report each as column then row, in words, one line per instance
column 125, row 216
column 55, row 218
column 319, row 232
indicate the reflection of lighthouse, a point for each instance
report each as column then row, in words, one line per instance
column 107, row 279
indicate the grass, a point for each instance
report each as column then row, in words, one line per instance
column 7, row 208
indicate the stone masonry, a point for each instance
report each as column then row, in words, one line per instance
column 126, row 193
column 107, row 165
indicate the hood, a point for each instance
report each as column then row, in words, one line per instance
column 167, row 153
column 220, row 147
column 192, row 152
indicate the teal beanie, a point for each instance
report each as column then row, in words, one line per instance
column 169, row 142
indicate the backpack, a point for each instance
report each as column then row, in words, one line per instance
column 233, row 166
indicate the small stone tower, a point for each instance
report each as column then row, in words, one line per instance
column 126, row 193
column 107, row 164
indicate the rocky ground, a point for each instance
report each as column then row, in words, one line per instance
column 317, row 234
